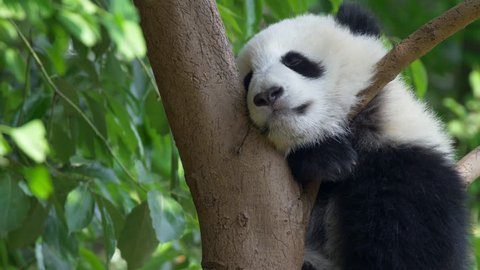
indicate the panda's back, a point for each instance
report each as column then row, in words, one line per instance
column 403, row 199
column 404, row 203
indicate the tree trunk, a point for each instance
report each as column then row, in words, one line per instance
column 252, row 215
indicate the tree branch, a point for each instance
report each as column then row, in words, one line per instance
column 469, row 166
column 417, row 45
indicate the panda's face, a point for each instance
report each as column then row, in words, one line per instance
column 288, row 97
column 298, row 81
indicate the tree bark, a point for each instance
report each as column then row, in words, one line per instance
column 469, row 166
column 251, row 213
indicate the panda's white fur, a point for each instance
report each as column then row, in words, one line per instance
column 394, row 161
column 349, row 61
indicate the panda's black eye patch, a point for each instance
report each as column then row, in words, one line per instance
column 247, row 80
column 302, row 65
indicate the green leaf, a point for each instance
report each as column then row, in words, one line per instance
column 96, row 102
column 124, row 8
column 84, row 5
column 36, row 105
column 155, row 115
column 7, row 31
column 89, row 260
column 253, row 16
column 134, row 40
column 335, row 5
column 11, row 9
column 31, row 228
column 39, row 181
column 109, row 238
column 31, row 139
column 82, row 27
column 62, row 187
column 455, row 107
column 229, row 17
column 56, row 52
column 279, row 9
column 474, row 79
column 16, row 64
column 137, row 241
column 14, row 205
column 79, row 208
column 420, row 78
column 456, row 128
column 117, row 217
column 61, row 140
column 298, row 6
column 161, row 153
column 163, row 255
column 4, row 147
column 126, row 35
column 59, row 248
column 38, row 11
column 167, row 216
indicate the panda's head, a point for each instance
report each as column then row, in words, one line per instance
column 302, row 75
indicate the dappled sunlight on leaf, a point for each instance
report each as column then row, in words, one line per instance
column 39, row 181
column 31, row 139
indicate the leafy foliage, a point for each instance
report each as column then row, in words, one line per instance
column 89, row 174
column 83, row 137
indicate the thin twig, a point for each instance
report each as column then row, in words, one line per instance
column 150, row 76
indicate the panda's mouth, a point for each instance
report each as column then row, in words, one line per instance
column 278, row 113
column 282, row 110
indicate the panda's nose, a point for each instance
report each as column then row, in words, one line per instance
column 268, row 97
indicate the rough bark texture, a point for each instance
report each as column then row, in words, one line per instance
column 417, row 45
column 469, row 166
column 252, row 215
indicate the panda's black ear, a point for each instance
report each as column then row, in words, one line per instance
column 359, row 20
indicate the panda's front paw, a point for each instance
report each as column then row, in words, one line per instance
column 332, row 159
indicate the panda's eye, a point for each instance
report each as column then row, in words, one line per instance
column 247, row 80
column 302, row 65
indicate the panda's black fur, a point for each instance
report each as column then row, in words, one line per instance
column 358, row 20
column 398, row 207
column 384, row 204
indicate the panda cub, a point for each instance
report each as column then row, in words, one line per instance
column 390, row 196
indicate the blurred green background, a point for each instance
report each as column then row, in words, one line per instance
column 88, row 168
